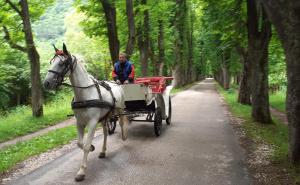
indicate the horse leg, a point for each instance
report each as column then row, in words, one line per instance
column 104, row 126
column 86, row 149
column 80, row 132
column 124, row 124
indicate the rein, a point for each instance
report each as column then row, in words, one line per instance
column 79, row 87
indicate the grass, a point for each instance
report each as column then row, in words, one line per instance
column 14, row 154
column 277, row 100
column 21, row 122
column 275, row 134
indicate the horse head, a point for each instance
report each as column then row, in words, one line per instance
column 62, row 66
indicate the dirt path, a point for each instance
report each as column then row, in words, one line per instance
column 279, row 115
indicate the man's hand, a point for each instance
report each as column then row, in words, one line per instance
column 118, row 82
column 126, row 82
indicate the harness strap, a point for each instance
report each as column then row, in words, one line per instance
column 99, row 103
column 79, row 87
column 91, row 103
column 107, row 87
column 98, row 89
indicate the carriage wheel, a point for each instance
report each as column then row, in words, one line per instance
column 111, row 125
column 168, row 120
column 157, row 121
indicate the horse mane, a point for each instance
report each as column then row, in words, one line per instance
column 81, row 62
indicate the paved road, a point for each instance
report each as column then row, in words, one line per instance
column 198, row 148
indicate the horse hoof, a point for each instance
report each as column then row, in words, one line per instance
column 79, row 178
column 92, row 148
column 102, row 155
column 124, row 138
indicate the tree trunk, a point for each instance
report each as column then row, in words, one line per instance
column 112, row 32
column 293, row 96
column 245, row 84
column 176, row 76
column 161, row 48
column 225, row 76
column 153, row 59
column 179, row 26
column 131, row 28
column 143, row 40
column 286, row 19
column 190, row 33
column 245, row 78
column 36, row 90
column 258, row 42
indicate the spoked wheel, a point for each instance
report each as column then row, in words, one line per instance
column 157, row 121
column 168, row 120
column 111, row 125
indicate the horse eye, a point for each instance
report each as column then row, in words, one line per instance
column 61, row 63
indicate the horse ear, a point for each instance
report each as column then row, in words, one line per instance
column 65, row 49
column 54, row 48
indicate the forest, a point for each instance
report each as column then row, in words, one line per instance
column 250, row 47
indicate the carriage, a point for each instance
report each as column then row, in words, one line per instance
column 147, row 98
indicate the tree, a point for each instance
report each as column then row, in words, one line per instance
column 285, row 17
column 161, row 49
column 259, row 35
column 131, row 27
column 245, row 76
column 143, row 30
column 14, row 78
column 180, row 42
column 111, row 24
column 22, row 15
column 220, row 36
column 245, row 82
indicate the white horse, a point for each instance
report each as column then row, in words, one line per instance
column 91, row 106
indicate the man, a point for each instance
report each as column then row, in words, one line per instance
column 123, row 71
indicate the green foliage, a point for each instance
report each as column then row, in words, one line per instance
column 94, row 22
column 221, row 32
column 14, row 154
column 277, row 100
column 277, row 66
column 14, row 77
column 14, row 68
column 10, row 18
column 51, row 25
column 94, row 50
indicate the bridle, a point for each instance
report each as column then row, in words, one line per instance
column 68, row 63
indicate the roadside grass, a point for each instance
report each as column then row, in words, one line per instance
column 20, row 121
column 277, row 100
column 275, row 134
column 185, row 87
column 11, row 155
